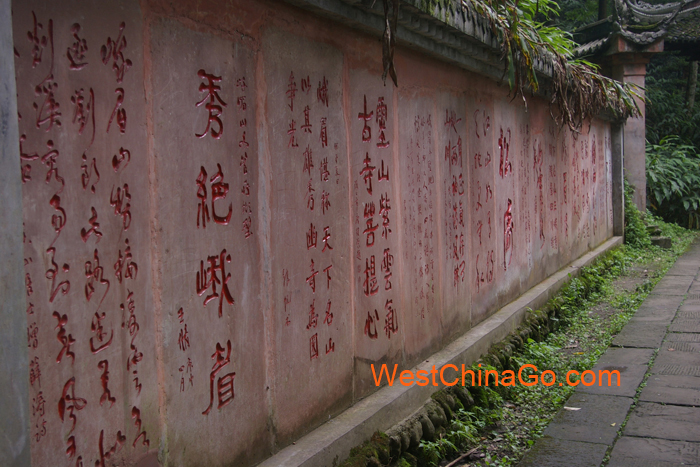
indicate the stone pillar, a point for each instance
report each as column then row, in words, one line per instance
column 617, row 137
column 628, row 64
column 14, row 373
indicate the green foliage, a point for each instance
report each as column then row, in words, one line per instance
column 636, row 234
column 673, row 181
column 527, row 41
column 666, row 108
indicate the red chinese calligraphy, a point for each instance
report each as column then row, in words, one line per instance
column 209, row 278
column 224, row 384
column 382, row 116
column 391, row 323
column 104, row 456
column 211, row 98
column 76, row 52
column 370, row 286
column 313, row 347
column 366, row 117
column 104, row 380
column 322, row 92
column 88, row 170
column 52, row 275
column 64, row 338
column 68, row 403
column 99, row 342
column 94, row 226
column 113, row 50
column 118, row 112
column 371, row 325
column 367, row 172
column 121, row 202
column 125, row 266
column 136, row 416
column 84, row 111
column 94, row 272
column 124, row 158
column 311, row 280
column 291, row 91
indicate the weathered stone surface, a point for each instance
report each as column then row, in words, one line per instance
column 672, row 285
column 672, row 422
column 209, row 244
column 621, row 357
column 15, row 421
column 641, row 334
column 376, row 249
column 87, row 209
column 682, row 337
column 667, row 357
column 680, row 390
column 631, row 375
column 652, row 450
column 597, row 421
column 309, row 236
column 552, row 452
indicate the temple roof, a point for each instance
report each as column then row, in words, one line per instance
column 643, row 24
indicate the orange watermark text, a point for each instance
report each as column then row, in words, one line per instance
column 527, row 375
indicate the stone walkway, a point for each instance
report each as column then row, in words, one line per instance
column 664, row 427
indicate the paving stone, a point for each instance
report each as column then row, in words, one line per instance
column 682, row 337
column 660, row 315
column 688, row 315
column 551, row 452
column 593, row 422
column 673, row 285
column 660, row 302
column 683, row 267
column 678, row 390
column 632, row 364
column 685, row 325
column 631, row 377
column 682, row 346
column 689, row 307
column 641, row 334
column 654, row 452
column 673, row 422
column 667, row 357
column 619, row 356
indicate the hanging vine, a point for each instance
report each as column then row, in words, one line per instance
column 578, row 91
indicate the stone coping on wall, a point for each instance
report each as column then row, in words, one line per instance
column 332, row 442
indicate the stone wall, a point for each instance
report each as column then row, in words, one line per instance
column 229, row 217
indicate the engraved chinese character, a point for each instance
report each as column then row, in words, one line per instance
column 210, row 278
column 64, row 338
column 391, row 324
column 224, row 384
column 366, row 117
column 76, row 52
column 212, row 96
column 382, row 115
column 371, row 325
column 114, row 51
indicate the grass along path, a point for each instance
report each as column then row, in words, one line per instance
column 593, row 309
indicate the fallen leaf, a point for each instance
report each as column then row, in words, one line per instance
column 578, row 353
column 572, row 408
column 613, row 424
column 671, row 350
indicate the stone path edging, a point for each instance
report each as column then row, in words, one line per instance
column 392, row 404
column 661, row 341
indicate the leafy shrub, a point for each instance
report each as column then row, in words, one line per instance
column 673, row 181
column 636, row 234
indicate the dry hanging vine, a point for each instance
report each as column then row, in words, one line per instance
column 579, row 92
column 391, row 18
